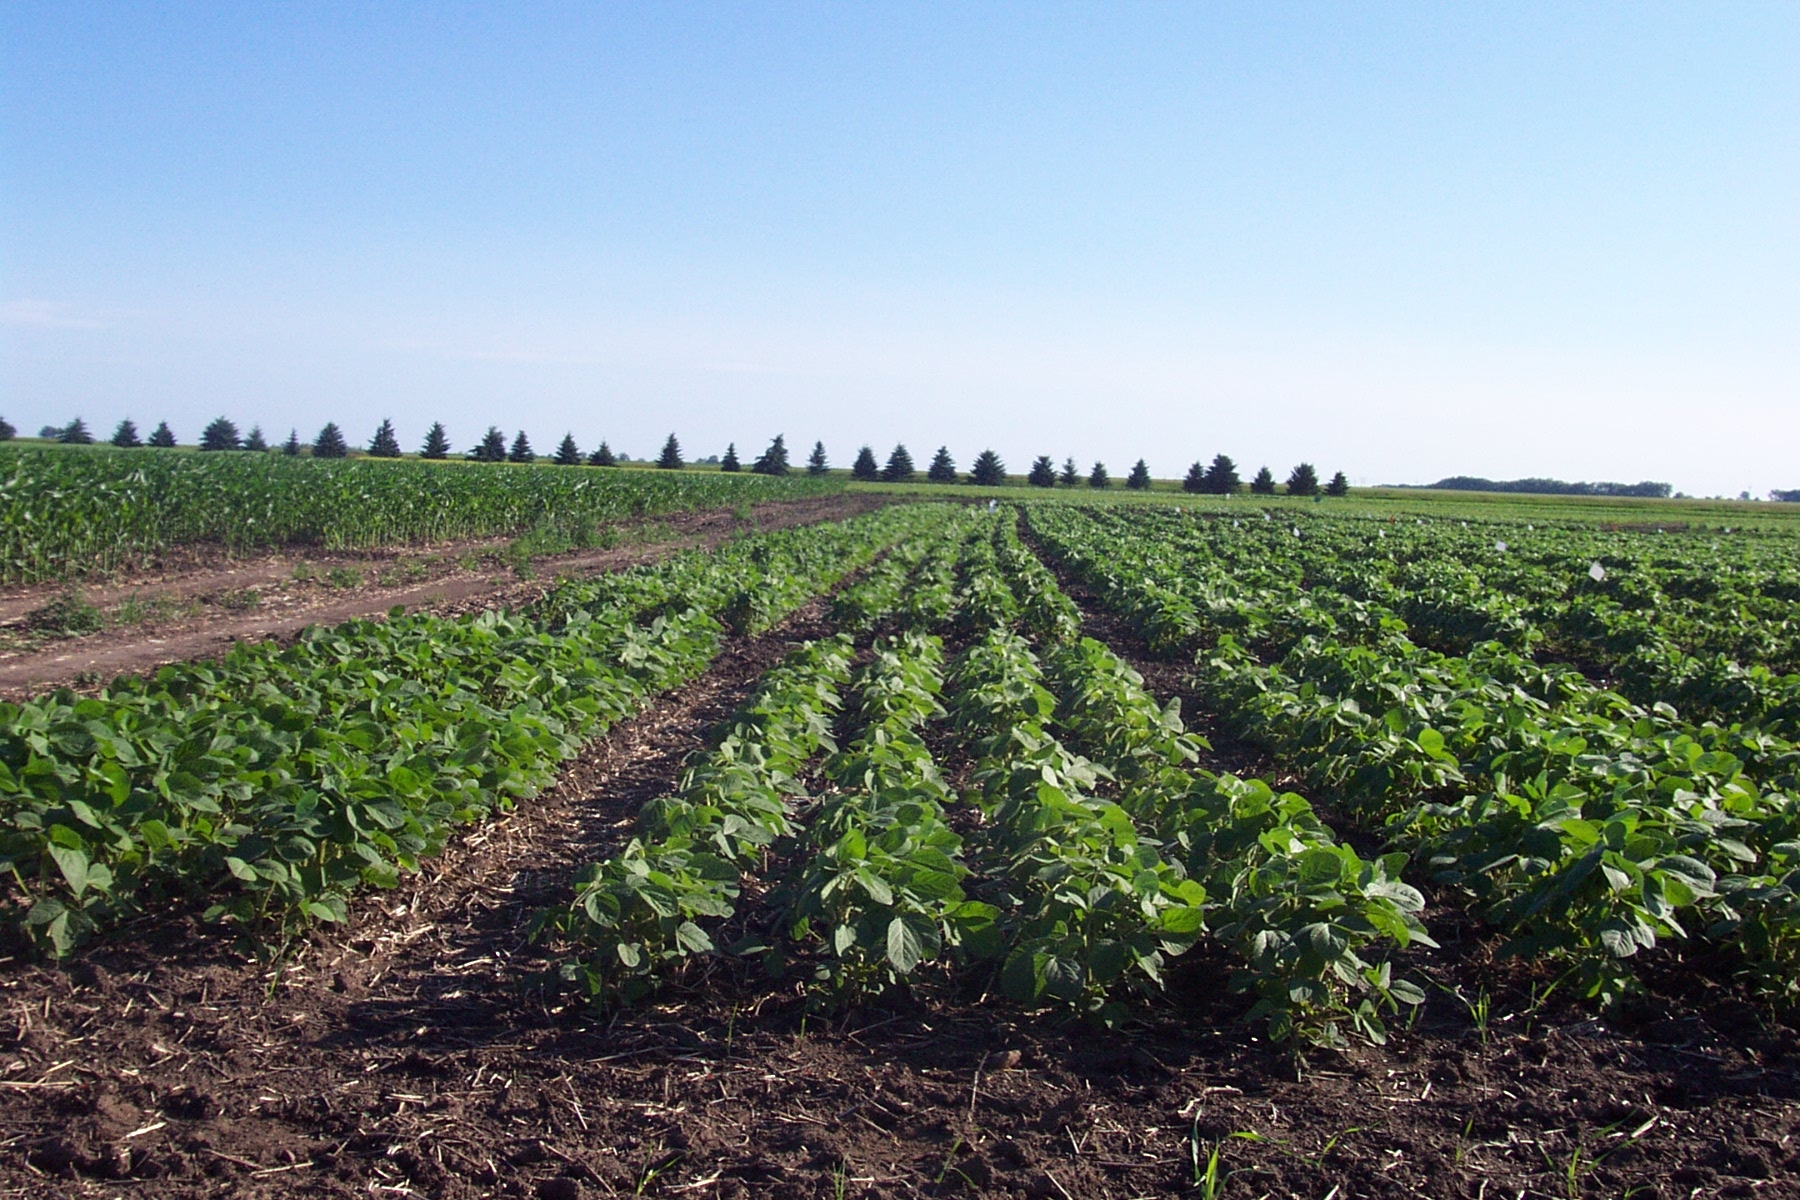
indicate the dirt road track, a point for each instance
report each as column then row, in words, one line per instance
column 284, row 607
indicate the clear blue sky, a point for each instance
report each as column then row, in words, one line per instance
column 1401, row 240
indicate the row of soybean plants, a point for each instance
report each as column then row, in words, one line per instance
column 66, row 513
column 1587, row 827
column 275, row 782
column 1097, row 850
column 1704, row 620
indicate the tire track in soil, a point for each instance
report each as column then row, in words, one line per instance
column 404, row 1057
column 138, row 650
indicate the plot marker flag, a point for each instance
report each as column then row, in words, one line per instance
column 1500, row 546
column 1597, row 573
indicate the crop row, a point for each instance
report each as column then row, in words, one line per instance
column 277, row 781
column 65, row 514
column 1075, row 878
column 1586, row 827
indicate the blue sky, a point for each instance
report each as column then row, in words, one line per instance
column 1401, row 240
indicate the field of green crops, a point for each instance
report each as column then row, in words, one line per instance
column 69, row 511
column 1583, row 739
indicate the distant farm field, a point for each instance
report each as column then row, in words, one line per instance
column 71, row 511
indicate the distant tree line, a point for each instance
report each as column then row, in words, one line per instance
column 1550, row 487
column 1218, row 478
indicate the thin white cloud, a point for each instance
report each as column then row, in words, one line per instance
column 44, row 314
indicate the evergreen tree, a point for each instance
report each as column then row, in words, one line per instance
column 1222, row 477
column 256, row 440
column 988, row 471
column 774, row 460
column 291, row 447
column 670, row 459
column 162, row 437
column 491, row 447
column 220, row 435
column 943, row 467
column 1098, row 478
column 815, row 463
column 125, row 435
column 7, row 432
column 899, row 467
column 1071, row 474
column 865, row 468
column 730, row 461
column 603, row 457
column 1043, row 472
column 385, row 443
column 1196, row 479
column 568, row 454
column 330, row 443
column 1303, row 481
column 437, row 442
column 1339, row 485
column 75, row 433
column 521, row 451
column 1139, row 479
column 1264, row 483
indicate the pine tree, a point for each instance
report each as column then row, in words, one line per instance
column 330, row 443
column 1098, row 478
column 162, row 437
column 491, row 447
column 7, row 431
column 568, row 454
column 865, row 468
column 75, row 433
column 256, row 440
column 1196, row 479
column 521, row 451
column 1339, row 485
column 1139, row 479
column 125, row 435
column 385, row 444
column 670, row 459
column 774, row 460
column 603, row 457
column 899, row 467
column 1264, row 483
column 815, row 463
column 437, row 442
column 1071, row 474
column 943, row 467
column 1043, row 472
column 220, row 435
column 1222, row 476
column 988, row 471
column 730, row 461
column 1303, row 481
column 291, row 447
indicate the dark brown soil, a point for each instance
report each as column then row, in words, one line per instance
column 414, row 1054
column 200, row 608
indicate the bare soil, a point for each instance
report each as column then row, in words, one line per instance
column 419, row 1053
column 198, row 604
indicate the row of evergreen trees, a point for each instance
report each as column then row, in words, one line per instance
column 1219, row 478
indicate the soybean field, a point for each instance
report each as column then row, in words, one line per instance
column 1042, row 848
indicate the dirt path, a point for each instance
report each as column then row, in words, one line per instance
column 414, row 1055
column 209, row 608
